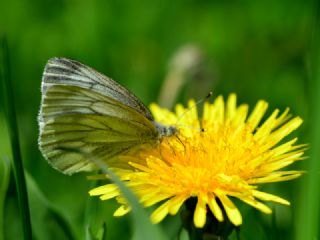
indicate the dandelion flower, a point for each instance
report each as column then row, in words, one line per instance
column 225, row 154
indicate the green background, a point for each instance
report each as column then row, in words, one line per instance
column 257, row 49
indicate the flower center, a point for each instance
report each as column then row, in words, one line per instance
column 199, row 164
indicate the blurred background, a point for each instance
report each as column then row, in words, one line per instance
column 257, row 49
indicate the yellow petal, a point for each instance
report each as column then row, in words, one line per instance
column 109, row 195
column 218, row 111
column 192, row 113
column 199, row 217
column 241, row 115
column 266, row 127
column 269, row 197
column 275, row 177
column 257, row 114
column 160, row 213
column 231, row 210
column 214, row 207
column 283, row 131
column 122, row 210
column 156, row 198
column 108, row 188
column 231, row 107
column 282, row 118
column 175, row 204
column 260, row 206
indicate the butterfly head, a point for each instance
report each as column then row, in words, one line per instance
column 166, row 131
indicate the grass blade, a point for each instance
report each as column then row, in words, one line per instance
column 143, row 228
column 11, row 120
column 4, row 182
column 308, row 221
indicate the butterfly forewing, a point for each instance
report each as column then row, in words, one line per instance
column 82, row 109
column 69, row 72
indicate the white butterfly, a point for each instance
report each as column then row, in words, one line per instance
column 83, row 109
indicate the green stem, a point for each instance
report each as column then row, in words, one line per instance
column 14, row 140
column 213, row 229
column 4, row 183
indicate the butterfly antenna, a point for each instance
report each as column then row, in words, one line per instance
column 192, row 107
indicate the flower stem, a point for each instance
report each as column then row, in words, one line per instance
column 14, row 140
column 213, row 230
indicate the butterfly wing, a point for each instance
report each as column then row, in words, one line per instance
column 69, row 72
column 76, row 115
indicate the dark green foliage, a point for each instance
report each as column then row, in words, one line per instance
column 258, row 49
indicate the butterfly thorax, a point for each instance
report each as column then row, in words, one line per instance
column 165, row 131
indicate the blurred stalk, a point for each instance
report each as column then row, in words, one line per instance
column 4, row 182
column 143, row 228
column 11, row 120
column 186, row 61
column 309, row 220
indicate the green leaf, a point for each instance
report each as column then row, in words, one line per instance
column 95, row 225
column 47, row 221
column 100, row 234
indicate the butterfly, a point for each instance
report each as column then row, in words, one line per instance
column 83, row 109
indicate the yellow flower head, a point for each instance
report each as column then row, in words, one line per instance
column 226, row 153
